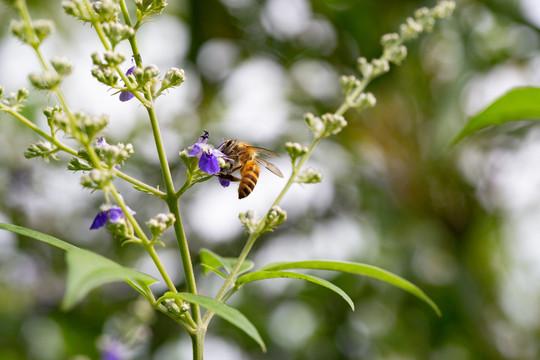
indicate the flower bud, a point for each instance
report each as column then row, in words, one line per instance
column 398, row 55
column 275, row 216
column 43, row 28
column 309, row 176
column 295, row 150
column 47, row 80
column 112, row 59
column 349, row 83
column 62, row 66
column 105, row 75
column 174, row 77
column 444, row 9
column 315, row 124
column 117, row 32
column 96, row 179
column 78, row 9
column 388, row 40
column 365, row 68
column 410, row 29
column 160, row 223
column 334, row 123
column 250, row 220
column 107, row 10
column 44, row 150
column 380, row 66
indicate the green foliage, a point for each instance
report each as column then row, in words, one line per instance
column 262, row 275
column 226, row 312
column 211, row 261
column 359, row 269
column 517, row 104
column 87, row 270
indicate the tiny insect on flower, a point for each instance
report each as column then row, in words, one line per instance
column 206, row 154
column 126, row 95
column 112, row 214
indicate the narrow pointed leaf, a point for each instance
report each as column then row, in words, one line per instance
column 517, row 104
column 225, row 311
column 261, row 275
column 87, row 270
column 356, row 268
column 210, row 259
column 38, row 236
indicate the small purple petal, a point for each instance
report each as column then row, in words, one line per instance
column 100, row 220
column 196, row 150
column 204, row 137
column 130, row 70
column 101, row 142
column 218, row 153
column 209, row 164
column 125, row 96
column 224, row 182
column 115, row 214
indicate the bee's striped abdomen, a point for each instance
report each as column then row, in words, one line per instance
column 250, row 175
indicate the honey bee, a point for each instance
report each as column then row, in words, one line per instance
column 247, row 159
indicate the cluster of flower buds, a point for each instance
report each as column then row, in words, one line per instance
column 46, row 80
column 275, row 216
column 159, row 224
column 295, row 150
column 101, row 11
column 309, row 176
column 82, row 126
column 103, row 69
column 14, row 101
column 32, row 34
column 42, row 149
column 250, row 220
column 113, row 155
column 326, row 125
column 146, row 8
column 174, row 77
column 49, row 80
column 97, row 179
column 117, row 32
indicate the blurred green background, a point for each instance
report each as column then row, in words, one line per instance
column 461, row 223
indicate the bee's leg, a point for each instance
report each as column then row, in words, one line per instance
column 228, row 177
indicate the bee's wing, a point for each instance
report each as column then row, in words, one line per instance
column 273, row 168
column 263, row 153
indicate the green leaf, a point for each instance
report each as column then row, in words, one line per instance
column 261, row 275
column 517, row 104
column 87, row 270
column 212, row 262
column 225, row 311
column 38, row 236
column 356, row 268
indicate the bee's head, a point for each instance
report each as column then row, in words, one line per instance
column 227, row 146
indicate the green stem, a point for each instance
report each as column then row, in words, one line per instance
column 232, row 275
column 171, row 198
column 38, row 131
column 146, row 187
column 296, row 168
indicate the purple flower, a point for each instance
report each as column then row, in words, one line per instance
column 126, row 95
column 224, row 182
column 206, row 154
column 112, row 214
column 113, row 349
